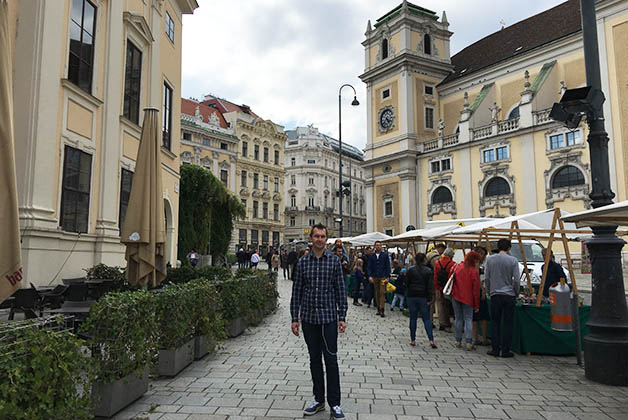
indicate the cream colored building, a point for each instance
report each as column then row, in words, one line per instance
column 83, row 72
column 311, row 162
column 469, row 135
column 259, row 176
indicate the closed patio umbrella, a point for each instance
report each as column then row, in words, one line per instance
column 10, row 254
column 144, row 228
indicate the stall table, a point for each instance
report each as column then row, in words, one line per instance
column 533, row 333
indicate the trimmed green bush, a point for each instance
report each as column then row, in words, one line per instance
column 232, row 259
column 181, row 275
column 122, row 331
column 174, row 312
column 44, row 374
column 206, row 309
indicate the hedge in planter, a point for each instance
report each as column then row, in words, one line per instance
column 122, row 334
column 45, row 374
column 209, row 327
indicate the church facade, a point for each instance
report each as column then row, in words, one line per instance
column 469, row 135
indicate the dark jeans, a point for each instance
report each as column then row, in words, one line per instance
column 502, row 318
column 322, row 340
column 418, row 305
column 369, row 293
column 356, row 289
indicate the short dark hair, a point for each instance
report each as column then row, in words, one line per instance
column 337, row 247
column 479, row 249
column 319, row 226
column 441, row 246
column 504, row 245
column 419, row 258
column 377, row 242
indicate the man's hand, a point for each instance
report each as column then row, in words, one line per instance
column 295, row 328
column 342, row 326
column 386, row 281
column 370, row 279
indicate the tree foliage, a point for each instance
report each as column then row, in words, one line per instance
column 207, row 210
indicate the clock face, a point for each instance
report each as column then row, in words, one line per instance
column 386, row 119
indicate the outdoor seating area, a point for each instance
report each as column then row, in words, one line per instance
column 132, row 333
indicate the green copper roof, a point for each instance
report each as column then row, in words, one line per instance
column 542, row 76
column 414, row 9
column 478, row 99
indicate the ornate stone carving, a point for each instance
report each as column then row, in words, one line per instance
column 575, row 192
column 449, row 207
column 187, row 157
column 506, row 200
column 214, row 120
column 197, row 155
column 494, row 112
column 206, row 162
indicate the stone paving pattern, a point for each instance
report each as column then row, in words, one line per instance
column 264, row 374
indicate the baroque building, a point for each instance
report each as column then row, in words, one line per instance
column 83, row 71
column 259, row 175
column 469, row 135
column 311, row 184
column 208, row 140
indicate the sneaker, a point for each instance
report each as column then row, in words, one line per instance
column 492, row 353
column 336, row 413
column 458, row 345
column 313, row 408
column 392, row 309
column 470, row 347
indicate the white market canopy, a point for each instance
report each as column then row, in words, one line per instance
column 368, row 239
column 345, row 240
column 613, row 214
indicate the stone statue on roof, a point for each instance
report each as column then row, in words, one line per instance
column 494, row 111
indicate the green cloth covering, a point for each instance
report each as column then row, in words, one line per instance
column 532, row 332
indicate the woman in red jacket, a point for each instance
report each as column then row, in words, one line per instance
column 466, row 297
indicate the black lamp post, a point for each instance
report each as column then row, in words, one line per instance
column 606, row 346
column 340, row 187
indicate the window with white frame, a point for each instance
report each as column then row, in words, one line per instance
column 293, row 200
column 494, row 154
column 169, row 27
column 310, row 201
column 440, row 165
column 311, row 180
column 388, row 207
column 389, row 232
column 563, row 140
column 428, row 90
column 312, row 222
column 429, row 118
column 293, row 180
column 293, row 221
column 293, row 162
column 311, row 161
column 276, row 184
column 266, row 182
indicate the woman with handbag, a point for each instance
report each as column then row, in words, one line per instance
column 419, row 286
column 465, row 295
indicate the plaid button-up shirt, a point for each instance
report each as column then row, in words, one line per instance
column 318, row 291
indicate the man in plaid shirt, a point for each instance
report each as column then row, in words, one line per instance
column 319, row 302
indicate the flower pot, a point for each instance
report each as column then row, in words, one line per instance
column 203, row 344
column 171, row 362
column 112, row 397
column 235, row 327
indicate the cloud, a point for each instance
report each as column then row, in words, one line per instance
column 287, row 58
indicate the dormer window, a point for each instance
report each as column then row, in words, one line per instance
column 384, row 48
column 427, row 44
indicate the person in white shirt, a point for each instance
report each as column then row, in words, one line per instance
column 254, row 260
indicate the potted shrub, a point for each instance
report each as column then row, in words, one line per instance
column 175, row 318
column 121, row 334
column 45, row 374
column 208, row 323
column 235, row 310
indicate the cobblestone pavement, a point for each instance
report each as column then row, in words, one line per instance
column 264, row 374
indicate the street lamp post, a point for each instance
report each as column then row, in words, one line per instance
column 606, row 346
column 354, row 103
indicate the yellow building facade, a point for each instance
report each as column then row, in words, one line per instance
column 83, row 72
column 469, row 135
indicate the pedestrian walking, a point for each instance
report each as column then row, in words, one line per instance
column 502, row 282
column 442, row 270
column 481, row 318
column 193, row 258
column 275, row 261
column 254, row 260
column 400, row 290
column 419, row 284
column 241, row 257
column 293, row 257
column 284, row 264
column 466, row 297
column 319, row 304
column 379, row 275
column 358, row 275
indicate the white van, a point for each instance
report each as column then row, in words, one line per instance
column 534, row 258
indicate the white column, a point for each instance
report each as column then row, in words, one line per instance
column 408, row 202
column 370, row 211
column 232, row 174
column 419, row 197
column 608, row 122
column 369, row 121
column 106, row 222
column 216, row 170
column 465, row 199
column 155, row 77
column 37, row 59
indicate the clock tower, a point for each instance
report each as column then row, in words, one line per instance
column 406, row 57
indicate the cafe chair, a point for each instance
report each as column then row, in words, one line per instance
column 26, row 301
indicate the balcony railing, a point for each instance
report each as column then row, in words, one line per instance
column 450, row 140
column 508, row 125
column 292, row 208
column 312, row 208
column 541, row 117
column 430, row 145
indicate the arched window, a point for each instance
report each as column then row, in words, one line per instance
column 442, row 195
column 514, row 113
column 496, row 186
column 567, row 177
column 427, row 44
column 384, row 48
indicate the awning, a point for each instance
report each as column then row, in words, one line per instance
column 613, row 214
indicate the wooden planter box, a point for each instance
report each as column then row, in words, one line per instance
column 112, row 397
column 171, row 362
column 235, row 327
column 203, row 344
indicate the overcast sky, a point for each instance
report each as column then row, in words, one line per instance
column 287, row 59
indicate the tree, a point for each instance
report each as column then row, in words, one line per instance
column 207, row 210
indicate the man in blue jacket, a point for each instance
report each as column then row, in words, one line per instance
column 379, row 275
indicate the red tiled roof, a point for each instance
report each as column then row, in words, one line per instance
column 225, row 106
column 536, row 31
column 188, row 107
